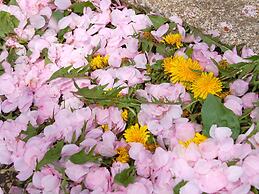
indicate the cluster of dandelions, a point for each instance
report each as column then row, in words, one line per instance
column 189, row 73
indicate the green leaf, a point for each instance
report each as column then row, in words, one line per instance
column 253, row 58
column 7, row 23
column 210, row 40
column 39, row 32
column 172, row 26
column 1, row 69
column 44, row 55
column 157, row 74
column 256, row 130
column 81, row 138
column 12, row 56
column 179, row 186
column 61, row 34
column 161, row 49
column 189, row 52
column 126, row 177
column 98, row 94
column 79, row 7
column 30, row 132
column 146, row 45
column 233, row 162
column 254, row 190
column 12, row 2
column 52, row 155
column 70, row 72
column 10, row 116
column 64, row 182
column 157, row 21
column 214, row 112
column 82, row 157
column 57, row 15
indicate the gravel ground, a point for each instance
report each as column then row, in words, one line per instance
column 237, row 21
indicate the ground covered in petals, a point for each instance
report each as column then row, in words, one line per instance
column 100, row 97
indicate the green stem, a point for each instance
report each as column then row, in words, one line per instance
column 189, row 105
column 244, row 116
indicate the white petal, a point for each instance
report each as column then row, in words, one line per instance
column 37, row 21
column 62, row 4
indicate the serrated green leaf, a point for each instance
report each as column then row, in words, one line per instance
column 79, row 7
column 126, row 177
column 10, row 116
column 214, row 112
column 7, row 23
column 146, row 45
column 70, row 72
column 51, row 155
column 157, row 21
column 179, row 186
column 157, row 74
column 30, row 132
column 161, row 49
column 82, row 157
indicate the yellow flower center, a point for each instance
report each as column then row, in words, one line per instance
column 173, row 39
column 105, row 127
column 149, row 36
column 199, row 138
column 125, row 115
column 151, row 146
column 123, row 155
column 206, row 84
column 182, row 70
column 223, row 64
column 136, row 133
column 99, row 62
column 223, row 95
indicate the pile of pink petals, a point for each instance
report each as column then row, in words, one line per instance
column 204, row 168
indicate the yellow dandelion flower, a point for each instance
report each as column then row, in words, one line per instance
column 123, row 155
column 105, row 127
column 173, row 39
column 199, row 138
column 136, row 133
column 206, row 84
column 182, row 70
column 125, row 115
column 99, row 62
